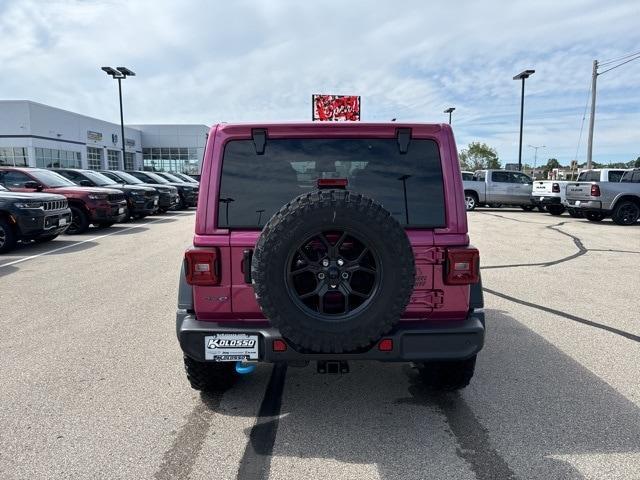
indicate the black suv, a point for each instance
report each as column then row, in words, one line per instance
column 141, row 201
column 169, row 197
column 31, row 216
column 188, row 192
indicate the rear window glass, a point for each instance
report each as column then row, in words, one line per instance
column 616, row 175
column 253, row 187
column 589, row 176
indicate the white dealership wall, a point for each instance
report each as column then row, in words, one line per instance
column 33, row 125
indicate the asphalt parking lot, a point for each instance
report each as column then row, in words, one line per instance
column 93, row 385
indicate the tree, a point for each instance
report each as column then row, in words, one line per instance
column 478, row 156
column 552, row 163
column 637, row 163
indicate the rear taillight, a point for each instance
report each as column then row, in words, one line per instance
column 202, row 266
column 462, row 266
column 332, row 183
column 555, row 188
column 595, row 190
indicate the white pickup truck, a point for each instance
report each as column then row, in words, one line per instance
column 550, row 195
column 499, row 187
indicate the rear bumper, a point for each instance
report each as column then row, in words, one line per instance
column 441, row 340
column 545, row 200
column 584, row 204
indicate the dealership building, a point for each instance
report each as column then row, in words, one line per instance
column 37, row 135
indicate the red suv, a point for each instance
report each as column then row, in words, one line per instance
column 89, row 205
column 330, row 242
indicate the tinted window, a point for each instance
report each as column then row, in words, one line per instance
column 123, row 176
column 51, row 179
column 502, row 177
column 589, row 176
column 616, row 175
column 517, row 177
column 466, row 176
column 480, row 176
column 12, row 179
column 149, row 177
column 632, row 176
column 98, row 178
column 253, row 187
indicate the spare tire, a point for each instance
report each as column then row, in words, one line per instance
column 333, row 270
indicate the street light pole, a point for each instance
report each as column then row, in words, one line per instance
column 120, row 74
column 535, row 158
column 594, row 78
column 522, row 76
column 449, row 111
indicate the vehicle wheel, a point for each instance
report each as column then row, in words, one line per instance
column 163, row 210
column 575, row 213
column 594, row 216
column 318, row 268
column 44, row 239
column 79, row 221
column 470, row 201
column 541, row 208
column 447, row 375
column 180, row 205
column 210, row 376
column 626, row 213
column 555, row 209
column 527, row 208
column 8, row 237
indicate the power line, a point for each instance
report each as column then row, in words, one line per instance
column 584, row 116
column 613, row 60
column 619, row 65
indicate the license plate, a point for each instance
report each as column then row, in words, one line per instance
column 231, row 347
column 155, row 202
column 121, row 210
column 62, row 222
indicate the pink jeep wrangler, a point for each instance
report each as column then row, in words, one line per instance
column 330, row 242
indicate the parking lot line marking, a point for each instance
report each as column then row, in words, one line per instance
column 590, row 323
column 20, row 260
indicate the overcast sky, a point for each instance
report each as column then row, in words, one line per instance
column 208, row 61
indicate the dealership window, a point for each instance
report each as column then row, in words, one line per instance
column 113, row 159
column 52, row 158
column 171, row 159
column 94, row 158
column 129, row 161
column 14, row 156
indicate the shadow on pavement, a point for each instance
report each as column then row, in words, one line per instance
column 527, row 403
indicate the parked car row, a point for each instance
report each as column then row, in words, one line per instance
column 39, row 204
column 597, row 193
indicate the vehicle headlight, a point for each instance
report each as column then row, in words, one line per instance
column 28, row 205
column 136, row 193
column 98, row 196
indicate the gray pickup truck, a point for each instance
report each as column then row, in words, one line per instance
column 620, row 200
column 498, row 187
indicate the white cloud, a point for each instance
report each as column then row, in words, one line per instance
column 203, row 62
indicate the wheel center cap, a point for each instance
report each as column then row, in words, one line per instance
column 333, row 273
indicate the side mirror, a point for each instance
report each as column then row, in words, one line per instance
column 85, row 183
column 33, row 185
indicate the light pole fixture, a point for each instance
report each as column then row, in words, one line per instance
column 535, row 158
column 449, row 111
column 522, row 76
column 120, row 74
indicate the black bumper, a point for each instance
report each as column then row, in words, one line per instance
column 546, row 201
column 190, row 199
column 143, row 205
column 36, row 223
column 436, row 340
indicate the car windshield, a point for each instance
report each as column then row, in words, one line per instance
column 156, row 177
column 127, row 177
column 184, row 177
column 51, row 179
column 98, row 178
column 253, row 187
column 171, row 178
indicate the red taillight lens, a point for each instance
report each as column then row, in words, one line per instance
column 385, row 345
column 332, row 183
column 595, row 190
column 202, row 266
column 279, row 345
column 462, row 266
column 555, row 188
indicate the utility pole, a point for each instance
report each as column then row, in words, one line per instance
column 522, row 76
column 594, row 77
column 535, row 158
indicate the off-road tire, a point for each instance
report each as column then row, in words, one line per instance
column 575, row 213
column 527, row 208
column 555, row 209
column 79, row 221
column 319, row 211
column 210, row 376
column 594, row 216
column 447, row 375
column 626, row 213
column 7, row 236
column 470, row 201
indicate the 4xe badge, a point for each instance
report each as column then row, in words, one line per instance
column 230, row 343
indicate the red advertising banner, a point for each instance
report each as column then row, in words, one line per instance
column 336, row 108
